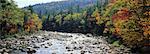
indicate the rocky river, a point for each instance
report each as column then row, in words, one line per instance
column 47, row 42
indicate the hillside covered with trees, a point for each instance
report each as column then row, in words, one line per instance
column 124, row 21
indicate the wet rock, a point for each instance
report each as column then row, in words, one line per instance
column 36, row 46
column 99, row 42
column 69, row 50
column 122, row 49
column 121, row 52
column 23, row 50
column 67, row 47
column 33, row 41
column 109, row 51
column 98, row 47
column 74, row 42
column 76, row 37
column 95, row 43
column 49, row 34
column 83, row 52
column 35, row 37
column 47, row 39
column 22, row 38
column 53, row 53
column 89, row 51
column 4, row 51
column 88, row 35
column 80, row 47
column 83, row 43
column 46, row 46
column 14, row 48
column 43, row 38
column 39, row 37
column 75, row 48
column 42, row 45
column 49, row 44
column 30, row 50
column 70, row 36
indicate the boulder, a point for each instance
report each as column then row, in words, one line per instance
column 30, row 50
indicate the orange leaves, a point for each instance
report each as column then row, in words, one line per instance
column 112, row 1
column 118, row 26
column 29, row 25
column 120, row 18
column 147, row 13
column 97, row 16
column 122, row 14
column 146, row 28
column 146, row 33
column 131, row 21
column 117, row 30
column 33, row 23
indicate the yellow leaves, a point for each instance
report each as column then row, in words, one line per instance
column 33, row 23
column 135, row 3
column 114, row 7
column 76, row 16
column 146, row 28
column 29, row 25
column 118, row 23
column 146, row 33
column 147, row 13
column 145, row 24
column 147, row 2
column 129, row 21
column 96, row 13
column 27, row 28
column 132, row 38
column 117, row 30
column 109, row 23
column 39, row 25
column 97, row 16
column 118, row 26
column 37, row 21
column 98, row 20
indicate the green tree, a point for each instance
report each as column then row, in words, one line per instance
column 11, row 17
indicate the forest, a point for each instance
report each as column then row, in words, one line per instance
column 124, row 21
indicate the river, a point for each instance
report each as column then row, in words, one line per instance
column 68, row 43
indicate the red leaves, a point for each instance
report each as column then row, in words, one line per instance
column 30, row 22
column 112, row 1
column 29, row 25
column 122, row 14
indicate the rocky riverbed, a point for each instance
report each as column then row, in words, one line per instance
column 59, row 43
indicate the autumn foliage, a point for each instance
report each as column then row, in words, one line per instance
column 33, row 23
column 12, row 19
column 132, row 22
